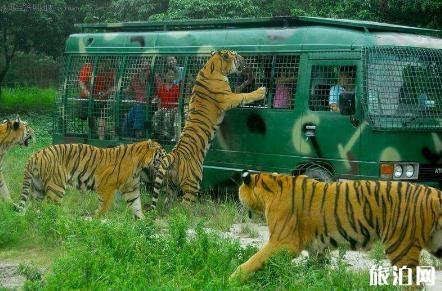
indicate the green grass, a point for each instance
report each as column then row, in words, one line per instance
column 156, row 253
column 26, row 99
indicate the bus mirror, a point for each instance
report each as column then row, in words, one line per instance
column 347, row 103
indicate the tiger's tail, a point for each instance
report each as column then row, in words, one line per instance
column 159, row 178
column 26, row 188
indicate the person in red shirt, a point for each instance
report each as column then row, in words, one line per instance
column 103, row 87
column 167, row 93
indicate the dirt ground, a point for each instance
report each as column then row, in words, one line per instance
column 10, row 277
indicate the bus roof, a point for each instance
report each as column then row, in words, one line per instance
column 260, row 35
column 270, row 22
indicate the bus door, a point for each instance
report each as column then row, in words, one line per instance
column 331, row 125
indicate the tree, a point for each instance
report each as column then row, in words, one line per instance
column 28, row 27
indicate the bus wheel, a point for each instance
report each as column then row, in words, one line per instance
column 319, row 173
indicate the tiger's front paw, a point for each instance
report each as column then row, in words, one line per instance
column 261, row 92
column 239, row 275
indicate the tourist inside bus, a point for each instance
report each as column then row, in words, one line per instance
column 346, row 83
column 167, row 94
column 134, row 124
column 103, row 87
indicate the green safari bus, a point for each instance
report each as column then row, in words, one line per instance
column 346, row 99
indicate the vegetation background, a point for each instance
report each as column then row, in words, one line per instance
column 33, row 32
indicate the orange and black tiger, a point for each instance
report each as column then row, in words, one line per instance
column 12, row 132
column 86, row 167
column 305, row 213
column 211, row 98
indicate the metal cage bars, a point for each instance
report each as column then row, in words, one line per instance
column 128, row 97
column 402, row 88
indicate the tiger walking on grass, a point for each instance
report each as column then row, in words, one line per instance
column 305, row 213
column 86, row 167
column 211, row 98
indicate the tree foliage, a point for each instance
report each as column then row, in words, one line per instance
column 41, row 26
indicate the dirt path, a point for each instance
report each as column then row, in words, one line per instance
column 10, row 277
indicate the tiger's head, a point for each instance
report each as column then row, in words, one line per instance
column 152, row 160
column 226, row 62
column 14, row 132
column 256, row 189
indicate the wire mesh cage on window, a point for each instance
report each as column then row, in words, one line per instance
column 277, row 73
column 284, row 81
column 131, row 97
column 135, row 98
column 194, row 65
column 403, row 87
column 86, row 101
column 328, row 83
column 168, row 87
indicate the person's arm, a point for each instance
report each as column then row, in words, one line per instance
column 333, row 98
column 84, row 91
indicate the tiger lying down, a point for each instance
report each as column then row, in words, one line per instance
column 85, row 167
column 303, row 212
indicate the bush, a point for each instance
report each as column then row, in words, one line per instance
column 12, row 225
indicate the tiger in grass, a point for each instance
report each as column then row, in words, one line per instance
column 211, row 98
column 303, row 213
column 105, row 170
column 12, row 132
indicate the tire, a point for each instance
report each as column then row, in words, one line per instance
column 319, row 173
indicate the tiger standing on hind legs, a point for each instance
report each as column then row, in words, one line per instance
column 303, row 213
column 211, row 98
column 12, row 132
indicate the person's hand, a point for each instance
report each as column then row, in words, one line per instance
column 334, row 107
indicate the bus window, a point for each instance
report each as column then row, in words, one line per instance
column 135, row 98
column 101, row 120
column 257, row 73
column 75, row 94
column 403, row 88
column 168, row 79
column 284, row 81
column 327, row 83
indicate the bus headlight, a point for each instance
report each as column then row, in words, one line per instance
column 397, row 171
column 409, row 171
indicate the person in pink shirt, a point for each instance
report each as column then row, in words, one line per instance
column 285, row 84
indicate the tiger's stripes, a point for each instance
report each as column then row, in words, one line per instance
column 303, row 212
column 211, row 98
column 86, row 167
column 12, row 132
